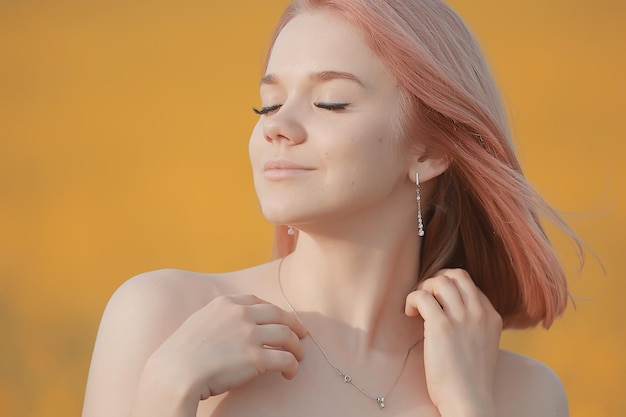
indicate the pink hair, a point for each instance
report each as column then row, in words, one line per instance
column 484, row 216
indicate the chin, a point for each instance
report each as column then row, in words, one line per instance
column 286, row 212
column 279, row 215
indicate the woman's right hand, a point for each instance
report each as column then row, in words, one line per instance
column 231, row 340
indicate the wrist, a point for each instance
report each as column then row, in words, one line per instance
column 160, row 393
column 468, row 411
column 468, row 403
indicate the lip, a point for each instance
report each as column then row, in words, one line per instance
column 282, row 168
column 283, row 164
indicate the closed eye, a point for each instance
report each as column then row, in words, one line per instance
column 326, row 106
column 267, row 109
column 332, row 106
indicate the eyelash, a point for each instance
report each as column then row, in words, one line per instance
column 266, row 109
column 326, row 106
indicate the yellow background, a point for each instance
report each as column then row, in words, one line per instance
column 123, row 135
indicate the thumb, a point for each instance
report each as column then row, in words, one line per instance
column 410, row 306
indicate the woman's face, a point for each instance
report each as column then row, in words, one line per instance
column 326, row 146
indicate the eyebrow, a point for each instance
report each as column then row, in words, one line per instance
column 321, row 76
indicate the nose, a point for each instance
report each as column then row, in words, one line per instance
column 283, row 125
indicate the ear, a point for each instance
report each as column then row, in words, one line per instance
column 428, row 167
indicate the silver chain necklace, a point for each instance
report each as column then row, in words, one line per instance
column 380, row 399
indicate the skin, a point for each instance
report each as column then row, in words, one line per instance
column 176, row 343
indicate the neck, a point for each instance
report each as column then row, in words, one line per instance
column 360, row 283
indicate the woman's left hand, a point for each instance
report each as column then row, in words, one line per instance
column 461, row 337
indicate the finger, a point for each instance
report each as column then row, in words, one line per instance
column 424, row 304
column 281, row 361
column 246, row 299
column 475, row 299
column 271, row 314
column 446, row 293
column 470, row 293
column 280, row 337
column 477, row 302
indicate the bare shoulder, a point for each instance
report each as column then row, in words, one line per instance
column 164, row 289
column 141, row 314
column 168, row 295
column 526, row 387
column 146, row 309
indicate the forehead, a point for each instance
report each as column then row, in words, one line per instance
column 316, row 41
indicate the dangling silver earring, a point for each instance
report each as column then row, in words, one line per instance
column 420, row 223
column 290, row 231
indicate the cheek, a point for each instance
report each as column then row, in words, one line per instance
column 367, row 160
column 371, row 148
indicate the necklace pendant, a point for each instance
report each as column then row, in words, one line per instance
column 381, row 402
column 347, row 378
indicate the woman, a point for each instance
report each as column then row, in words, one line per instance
column 407, row 237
